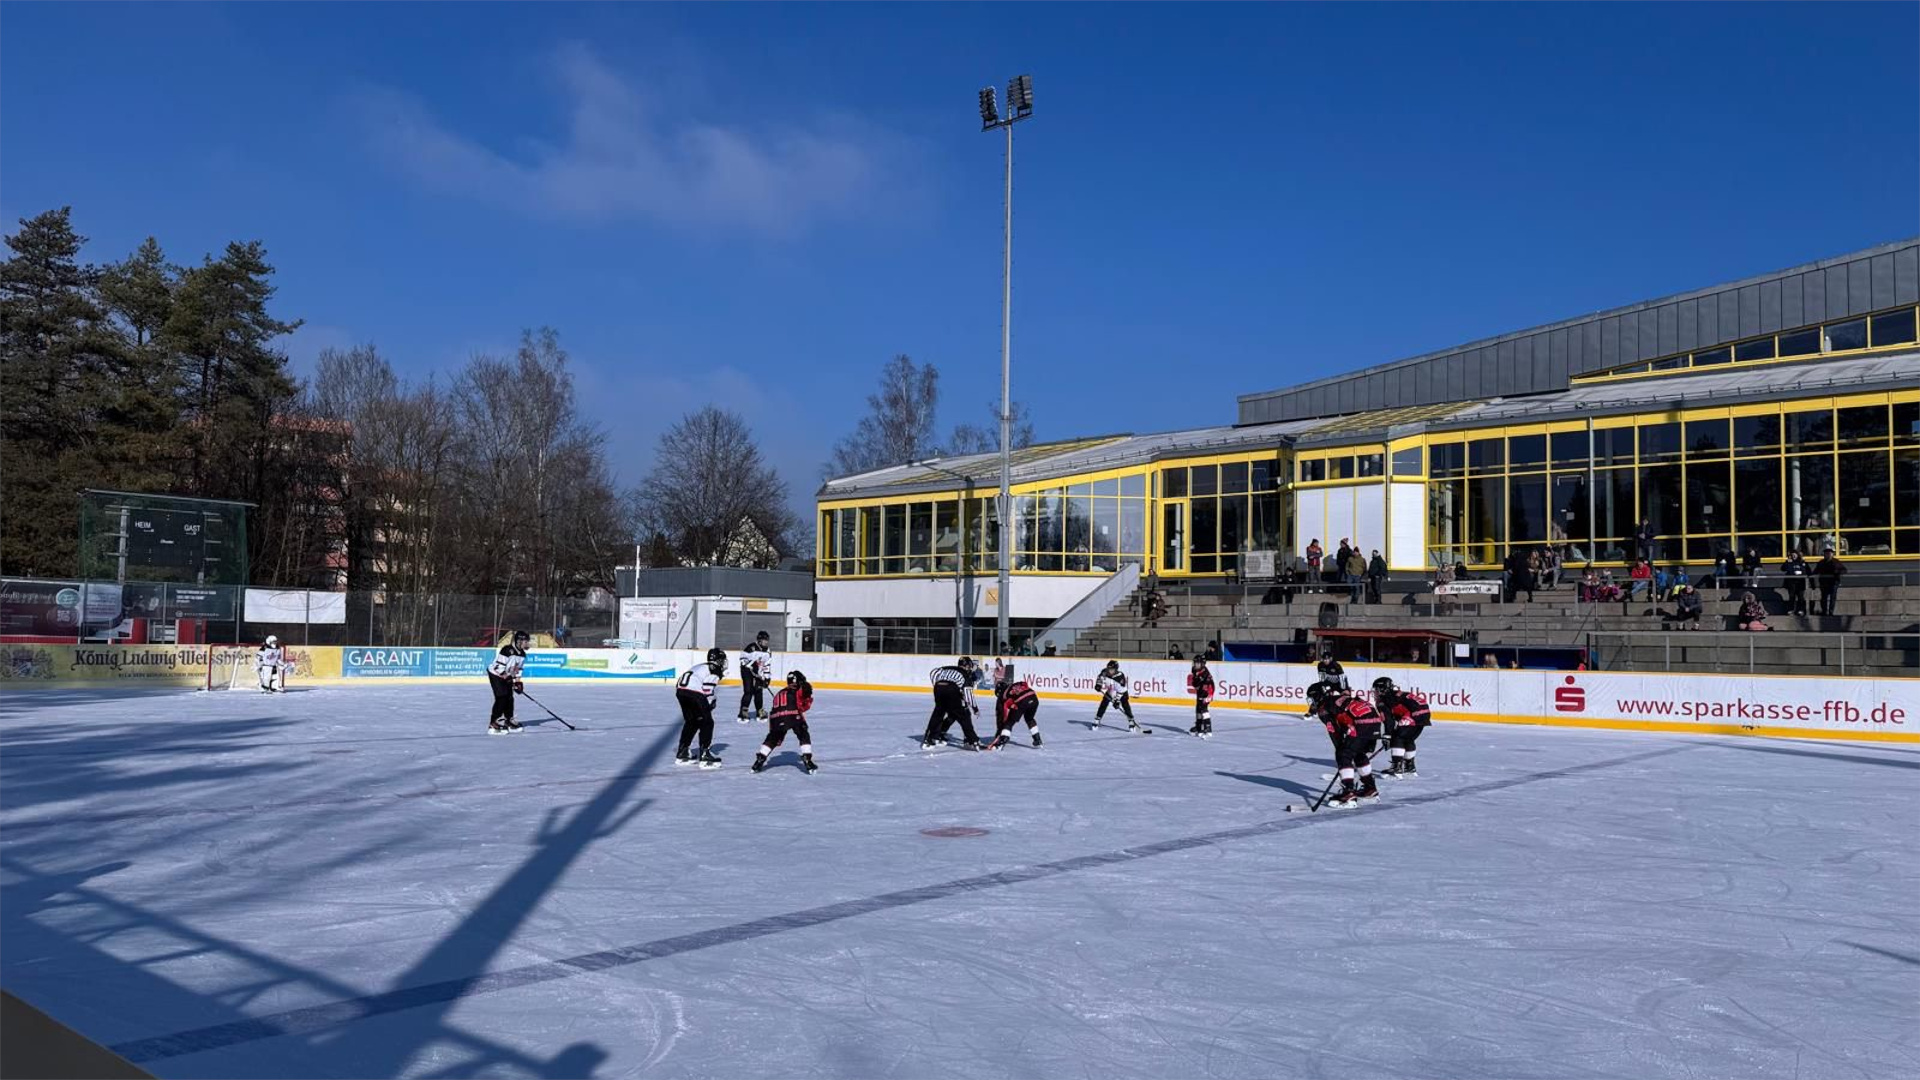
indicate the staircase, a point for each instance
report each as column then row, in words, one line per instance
column 1875, row 629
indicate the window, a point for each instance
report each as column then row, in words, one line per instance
column 1613, row 511
column 1203, row 480
column 1756, row 496
column 1660, row 499
column 1569, row 449
column 1313, row 470
column 1613, row 446
column 1568, row 509
column 1906, row 487
column 1173, row 483
column 1866, row 491
column 1367, row 464
column 1233, row 525
column 1808, row 484
column 1842, row 337
column 1671, row 363
column 1809, row 430
column 1800, row 343
column 1526, row 452
column 1527, row 509
column 1906, row 422
column 920, row 534
column 1262, row 475
column 1895, row 328
column 1484, row 455
column 1449, row 459
column 1707, row 438
column 1447, row 518
column 1863, row 425
column 1659, row 441
column 1340, row 468
column 1708, row 509
column 1233, row 478
column 1759, row 349
column 1486, row 518
column 1408, row 462
column 1133, row 486
column 1756, row 435
column 1205, row 537
column 1709, row 357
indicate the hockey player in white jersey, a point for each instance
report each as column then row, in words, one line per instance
column 503, row 675
column 271, row 662
column 1112, row 685
column 756, row 674
column 695, row 692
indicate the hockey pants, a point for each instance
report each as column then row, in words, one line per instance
column 1405, row 737
column 502, row 697
column 1118, row 701
column 1008, row 718
column 777, row 733
column 696, row 718
column 752, row 692
column 950, row 708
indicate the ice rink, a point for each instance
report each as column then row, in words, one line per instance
column 356, row 881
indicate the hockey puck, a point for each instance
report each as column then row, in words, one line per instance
column 950, row 832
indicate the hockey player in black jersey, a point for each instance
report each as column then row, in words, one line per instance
column 695, row 693
column 790, row 707
column 952, row 691
column 1200, row 685
column 1406, row 717
column 1112, row 684
column 1353, row 725
column 503, row 675
column 1332, row 674
column 1017, row 704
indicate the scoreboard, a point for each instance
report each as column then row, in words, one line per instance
column 173, row 538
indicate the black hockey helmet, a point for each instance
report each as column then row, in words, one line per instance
column 717, row 655
column 1113, row 665
column 965, row 663
column 761, row 637
column 1316, row 691
column 520, row 636
column 797, row 678
column 1384, row 685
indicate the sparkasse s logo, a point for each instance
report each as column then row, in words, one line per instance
column 1569, row 698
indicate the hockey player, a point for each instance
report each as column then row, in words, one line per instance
column 952, row 693
column 1352, row 724
column 756, row 674
column 695, row 692
column 1112, row 684
column 1332, row 674
column 1200, row 685
column 790, row 707
column 1017, row 704
column 504, row 676
column 1406, row 717
column 272, row 665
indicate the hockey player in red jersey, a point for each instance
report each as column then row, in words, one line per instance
column 1017, row 704
column 1353, row 724
column 790, row 707
column 1406, row 716
column 1200, row 685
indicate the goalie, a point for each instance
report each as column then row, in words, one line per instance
column 271, row 663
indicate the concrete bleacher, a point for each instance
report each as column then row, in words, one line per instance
column 1875, row 628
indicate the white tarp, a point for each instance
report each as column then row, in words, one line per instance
column 284, row 606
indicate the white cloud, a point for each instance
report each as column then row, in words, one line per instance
column 626, row 157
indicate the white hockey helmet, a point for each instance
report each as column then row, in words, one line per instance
column 273, row 642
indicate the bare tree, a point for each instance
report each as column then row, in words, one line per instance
column 898, row 427
column 982, row 439
column 713, row 496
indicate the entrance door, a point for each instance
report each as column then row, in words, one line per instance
column 1173, row 535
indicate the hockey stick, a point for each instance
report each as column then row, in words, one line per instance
column 548, row 711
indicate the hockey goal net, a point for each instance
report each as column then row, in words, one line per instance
column 231, row 667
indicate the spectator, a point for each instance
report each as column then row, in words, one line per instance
column 1680, row 580
column 1488, row 660
column 1687, row 607
column 1313, row 559
column 1050, row 650
column 1751, row 564
column 1643, row 538
column 1173, row 651
column 1530, row 573
column 1026, row 646
column 1609, row 588
column 1640, row 579
column 1829, row 573
column 1752, row 615
column 1549, row 568
column 1356, row 574
column 561, row 634
column 1213, row 652
column 1662, row 585
column 1281, row 591
column 1590, row 585
column 1726, row 566
column 1376, row 576
column 1152, row 607
column 1796, row 571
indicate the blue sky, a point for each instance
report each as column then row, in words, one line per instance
column 757, row 206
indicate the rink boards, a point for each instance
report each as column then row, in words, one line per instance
column 1876, row 709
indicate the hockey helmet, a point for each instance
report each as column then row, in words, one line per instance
column 1384, row 685
column 1113, row 665
column 761, row 637
column 1316, row 691
column 717, row 656
column 520, row 636
column 273, row 642
column 965, row 663
column 796, row 678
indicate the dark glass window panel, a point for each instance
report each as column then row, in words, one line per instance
column 1708, row 508
column 1133, row 487
column 1906, row 542
column 1866, row 490
column 1851, row 334
column 1527, row 509
column 1205, row 534
column 1807, row 481
column 1203, row 480
column 1810, row 430
column 1486, row 454
column 1708, row 438
column 1906, row 487
column 1233, row 524
column 1872, row 542
column 1407, row 462
column 1759, row 349
column 1659, row 441
column 1313, row 470
column 1671, row 363
column 1756, row 496
column 1613, row 446
column 1800, row 343
column 1486, row 518
column 1173, row 483
column 896, row 532
column 1569, row 449
column 920, row 529
column 1448, row 459
column 1710, row 357
column 1568, row 510
column 1660, row 499
column 1205, row 564
column 1639, row 369
column 1863, row 424
column 1526, row 452
column 1613, row 504
column 1107, row 487
column 1767, row 545
column 1340, row 468
column 1368, row 464
column 1269, row 524
column 1233, row 478
column 1906, row 422
column 1894, row 328
column 1447, row 516
column 1706, row 548
column 1261, row 475
column 1756, row 435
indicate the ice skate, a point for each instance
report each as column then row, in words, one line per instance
column 681, row 757
column 496, row 727
column 807, row 765
column 1368, row 789
column 759, row 762
column 709, row 759
column 998, row 742
column 1036, row 738
column 1349, row 796
column 971, row 744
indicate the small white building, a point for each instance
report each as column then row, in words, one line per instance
column 700, row 607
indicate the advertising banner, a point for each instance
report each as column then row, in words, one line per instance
column 358, row 663
column 201, row 602
column 459, row 663
column 296, row 606
column 40, row 608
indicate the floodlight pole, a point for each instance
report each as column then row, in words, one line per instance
column 1017, row 110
